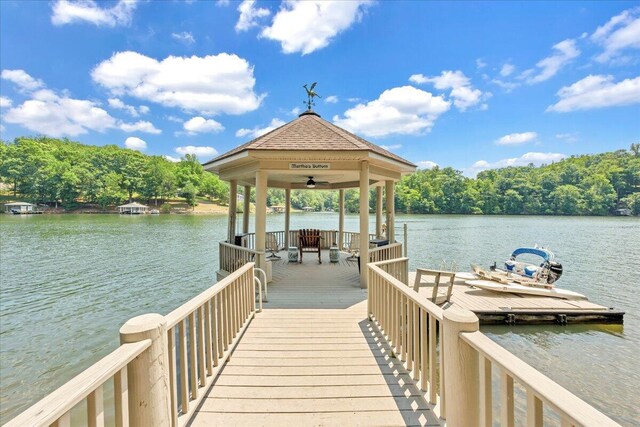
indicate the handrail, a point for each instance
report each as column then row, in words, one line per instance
column 180, row 313
column 57, row 405
column 572, row 410
column 419, row 330
column 202, row 333
column 232, row 257
column 413, row 327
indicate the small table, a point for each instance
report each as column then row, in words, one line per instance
column 378, row 242
column 293, row 254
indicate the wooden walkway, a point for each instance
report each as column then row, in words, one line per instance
column 312, row 358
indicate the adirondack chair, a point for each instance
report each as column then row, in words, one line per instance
column 309, row 241
column 436, row 297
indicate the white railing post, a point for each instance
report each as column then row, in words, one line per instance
column 460, row 368
column 148, row 374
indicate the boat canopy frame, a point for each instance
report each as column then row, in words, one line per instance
column 545, row 254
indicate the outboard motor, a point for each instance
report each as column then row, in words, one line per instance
column 555, row 271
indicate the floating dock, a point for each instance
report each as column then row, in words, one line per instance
column 493, row 308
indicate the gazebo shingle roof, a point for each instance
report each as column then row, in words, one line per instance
column 309, row 132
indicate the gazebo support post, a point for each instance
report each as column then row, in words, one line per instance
column 246, row 209
column 391, row 232
column 378, row 211
column 233, row 208
column 261, row 217
column 364, row 222
column 287, row 216
column 341, row 219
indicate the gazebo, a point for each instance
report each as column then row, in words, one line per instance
column 310, row 152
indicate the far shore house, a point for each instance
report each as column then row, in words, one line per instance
column 133, row 209
column 19, row 207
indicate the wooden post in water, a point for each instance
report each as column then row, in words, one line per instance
column 461, row 370
column 148, row 374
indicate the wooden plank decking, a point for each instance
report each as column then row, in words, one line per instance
column 312, row 358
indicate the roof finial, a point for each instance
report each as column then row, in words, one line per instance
column 310, row 94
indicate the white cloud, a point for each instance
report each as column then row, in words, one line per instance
column 534, row 158
column 57, row 116
column 307, row 26
column 480, row 64
column 199, row 124
column 2, row 128
column 567, row 137
column 67, row 12
column 391, row 147
column 507, row 86
column 133, row 111
column 597, row 91
column 172, row 159
column 222, row 3
column 463, row 93
column 401, row 110
column 5, row 102
column 140, row 126
column 295, row 111
column 212, row 84
column 250, row 15
column 332, row 99
column 427, row 164
column 565, row 51
column 517, row 138
column 174, row 119
column 198, row 151
column 184, row 37
column 258, row 131
column 22, row 79
column 507, row 70
column 619, row 33
column 135, row 143
column 354, row 99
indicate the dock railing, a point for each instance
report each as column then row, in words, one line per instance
column 444, row 350
column 164, row 364
column 386, row 252
column 232, row 257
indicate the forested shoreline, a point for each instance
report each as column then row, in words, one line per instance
column 70, row 174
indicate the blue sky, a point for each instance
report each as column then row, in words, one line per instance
column 471, row 85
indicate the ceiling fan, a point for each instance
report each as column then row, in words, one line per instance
column 311, row 183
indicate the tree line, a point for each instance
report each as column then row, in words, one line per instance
column 66, row 173
column 55, row 171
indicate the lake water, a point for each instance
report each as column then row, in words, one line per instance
column 69, row 282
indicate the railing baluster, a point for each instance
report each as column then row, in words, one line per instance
column 409, row 336
column 506, row 400
column 95, row 408
column 63, row 421
column 200, row 343
column 215, row 331
column 403, row 327
column 485, row 387
column 207, row 337
column 184, row 373
column 225, row 319
column 534, row 410
column 424, row 349
column 121, row 398
column 415, row 319
column 442, row 371
column 193, row 364
column 432, row 359
column 173, row 383
column 220, row 323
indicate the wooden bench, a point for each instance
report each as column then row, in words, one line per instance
column 309, row 241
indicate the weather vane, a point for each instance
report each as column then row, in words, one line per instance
column 311, row 94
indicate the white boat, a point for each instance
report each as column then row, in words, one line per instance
column 515, row 288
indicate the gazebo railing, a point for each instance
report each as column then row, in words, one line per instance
column 233, row 257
